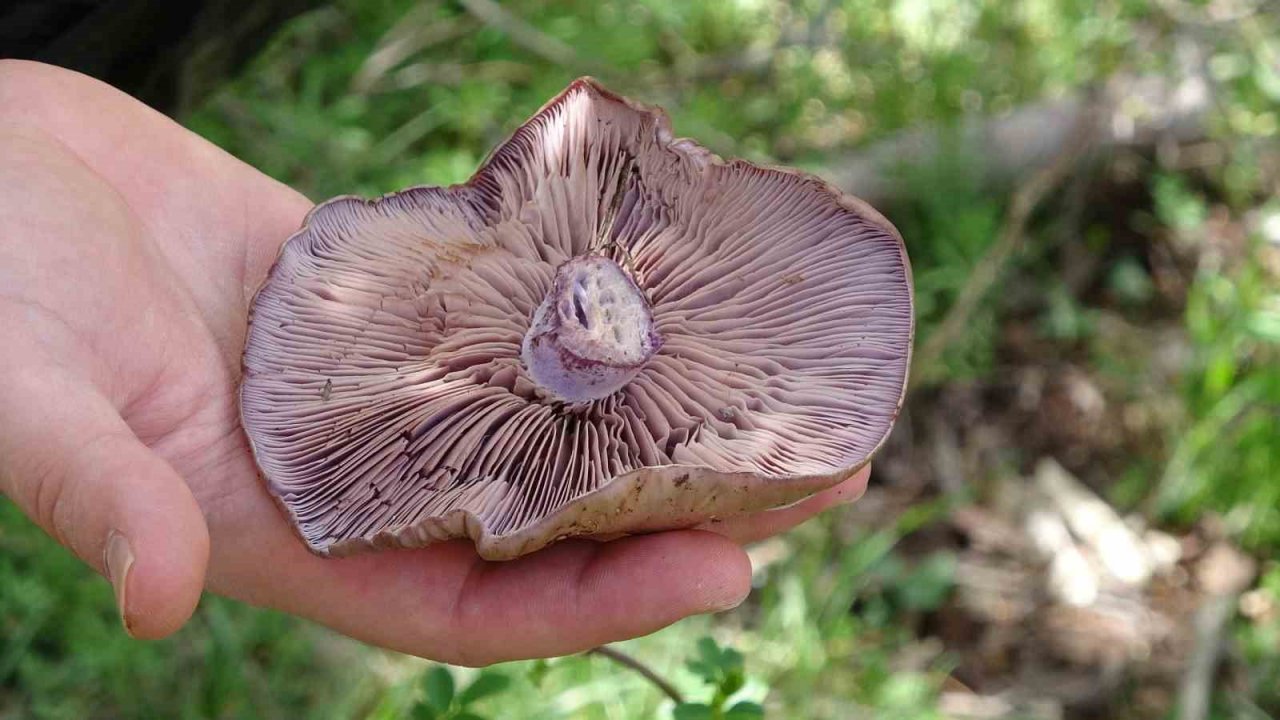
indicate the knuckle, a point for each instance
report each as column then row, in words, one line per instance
column 56, row 496
column 47, row 495
column 34, row 483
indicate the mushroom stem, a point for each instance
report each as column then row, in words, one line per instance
column 592, row 333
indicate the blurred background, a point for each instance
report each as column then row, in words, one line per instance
column 1078, row 515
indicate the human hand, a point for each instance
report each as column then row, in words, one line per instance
column 129, row 251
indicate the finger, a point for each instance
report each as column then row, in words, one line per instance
column 758, row 526
column 74, row 466
column 576, row 596
column 445, row 603
column 203, row 186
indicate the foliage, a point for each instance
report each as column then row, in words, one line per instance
column 64, row 655
column 392, row 93
column 952, row 222
column 1227, row 458
column 1258, row 639
column 441, row 701
column 722, row 669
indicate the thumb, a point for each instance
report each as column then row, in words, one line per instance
column 73, row 465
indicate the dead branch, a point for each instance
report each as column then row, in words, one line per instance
column 1007, row 243
column 522, row 33
column 1197, row 683
column 1125, row 112
column 418, row 30
column 645, row 671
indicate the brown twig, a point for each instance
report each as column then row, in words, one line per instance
column 418, row 30
column 1006, row 245
column 1124, row 111
column 631, row 663
column 1196, row 690
column 522, row 33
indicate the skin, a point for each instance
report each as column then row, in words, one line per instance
column 129, row 251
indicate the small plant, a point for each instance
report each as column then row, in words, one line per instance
column 1226, row 457
column 1257, row 635
column 722, row 669
column 442, row 701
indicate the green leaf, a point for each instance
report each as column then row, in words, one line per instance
column 733, row 682
column 708, row 672
column 438, row 684
column 731, row 660
column 1176, row 205
column 930, row 583
column 484, row 686
column 423, row 711
column 467, row 716
column 744, row 711
column 692, row 711
column 1265, row 323
column 537, row 673
column 709, row 651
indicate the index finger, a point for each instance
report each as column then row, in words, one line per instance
column 177, row 182
column 758, row 526
column 446, row 603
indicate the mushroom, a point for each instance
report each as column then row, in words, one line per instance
column 607, row 330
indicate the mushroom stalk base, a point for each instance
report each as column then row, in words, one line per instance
column 592, row 333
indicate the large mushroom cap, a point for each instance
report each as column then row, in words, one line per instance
column 605, row 330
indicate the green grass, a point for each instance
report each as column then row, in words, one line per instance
column 789, row 82
column 63, row 653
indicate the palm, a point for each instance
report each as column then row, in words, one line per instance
column 142, row 287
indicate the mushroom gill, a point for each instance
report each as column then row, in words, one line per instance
column 605, row 330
